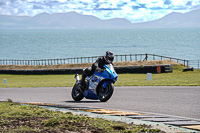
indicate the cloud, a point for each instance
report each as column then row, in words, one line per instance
column 133, row 10
column 167, row 2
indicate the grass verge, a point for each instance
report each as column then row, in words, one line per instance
column 177, row 78
column 26, row 118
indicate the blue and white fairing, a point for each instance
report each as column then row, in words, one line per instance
column 108, row 75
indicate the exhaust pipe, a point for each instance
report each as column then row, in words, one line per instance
column 77, row 78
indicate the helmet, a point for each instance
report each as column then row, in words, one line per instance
column 109, row 57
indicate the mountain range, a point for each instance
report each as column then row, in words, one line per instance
column 73, row 20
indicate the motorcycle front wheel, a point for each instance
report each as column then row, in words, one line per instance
column 77, row 93
column 105, row 94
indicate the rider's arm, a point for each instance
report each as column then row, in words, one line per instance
column 95, row 65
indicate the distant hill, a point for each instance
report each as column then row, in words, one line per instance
column 73, row 20
column 174, row 20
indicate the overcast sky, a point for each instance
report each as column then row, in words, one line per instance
column 132, row 10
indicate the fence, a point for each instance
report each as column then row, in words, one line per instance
column 143, row 57
column 49, row 61
column 194, row 63
column 118, row 58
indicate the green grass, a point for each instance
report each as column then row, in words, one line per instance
column 26, row 118
column 37, row 80
column 177, row 78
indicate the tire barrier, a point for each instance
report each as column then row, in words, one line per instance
column 145, row 69
column 119, row 70
column 188, row 69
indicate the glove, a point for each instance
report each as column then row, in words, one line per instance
column 99, row 70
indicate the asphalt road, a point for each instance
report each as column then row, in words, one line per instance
column 179, row 101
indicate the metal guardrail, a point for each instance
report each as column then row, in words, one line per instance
column 118, row 58
column 194, row 63
column 50, row 61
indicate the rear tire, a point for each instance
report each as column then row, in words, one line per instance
column 105, row 94
column 77, row 93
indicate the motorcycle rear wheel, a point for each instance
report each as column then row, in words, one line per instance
column 77, row 93
column 105, row 94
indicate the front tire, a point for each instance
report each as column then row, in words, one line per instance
column 105, row 94
column 77, row 93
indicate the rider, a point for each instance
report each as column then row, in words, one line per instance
column 98, row 66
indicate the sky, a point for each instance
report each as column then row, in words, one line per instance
column 132, row 10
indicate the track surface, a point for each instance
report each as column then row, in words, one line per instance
column 179, row 101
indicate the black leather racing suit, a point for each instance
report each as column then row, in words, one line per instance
column 98, row 65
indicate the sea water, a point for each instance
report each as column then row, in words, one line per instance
column 51, row 44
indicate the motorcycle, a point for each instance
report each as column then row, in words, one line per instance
column 99, row 86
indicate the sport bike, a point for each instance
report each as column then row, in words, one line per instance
column 99, row 86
